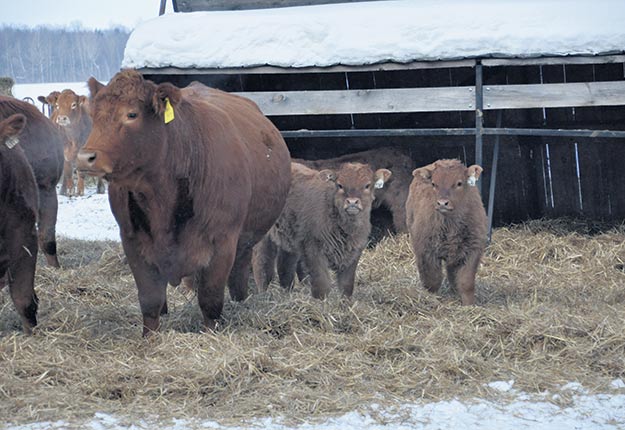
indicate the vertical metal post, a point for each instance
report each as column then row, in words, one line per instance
column 493, row 180
column 479, row 117
column 161, row 10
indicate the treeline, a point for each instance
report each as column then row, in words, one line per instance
column 41, row 54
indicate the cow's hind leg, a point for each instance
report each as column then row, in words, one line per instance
column 287, row 264
column 48, row 208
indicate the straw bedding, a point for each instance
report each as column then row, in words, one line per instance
column 550, row 310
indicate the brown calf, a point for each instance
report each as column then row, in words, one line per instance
column 447, row 221
column 391, row 195
column 325, row 223
column 196, row 178
column 42, row 143
column 18, row 216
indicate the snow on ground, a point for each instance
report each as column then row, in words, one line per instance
column 372, row 32
column 22, row 91
column 587, row 412
column 88, row 217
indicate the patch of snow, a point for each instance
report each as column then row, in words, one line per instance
column 617, row 384
column 503, row 386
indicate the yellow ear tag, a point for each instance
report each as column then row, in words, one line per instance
column 169, row 111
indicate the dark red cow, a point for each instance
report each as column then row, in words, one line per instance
column 42, row 143
column 325, row 223
column 196, row 178
column 447, row 222
column 18, row 216
column 71, row 113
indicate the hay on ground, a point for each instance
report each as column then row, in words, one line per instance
column 550, row 310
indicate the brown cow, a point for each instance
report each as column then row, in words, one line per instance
column 325, row 222
column 391, row 195
column 18, row 216
column 196, row 178
column 447, row 221
column 71, row 113
column 42, row 143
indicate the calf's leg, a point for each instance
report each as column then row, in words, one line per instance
column 430, row 272
column 287, row 264
column 318, row 266
column 264, row 262
column 462, row 278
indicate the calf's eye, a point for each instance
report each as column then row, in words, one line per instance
column 434, row 185
column 131, row 115
column 74, row 105
column 459, row 184
column 367, row 186
column 339, row 186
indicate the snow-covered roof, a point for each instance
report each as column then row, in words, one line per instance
column 355, row 34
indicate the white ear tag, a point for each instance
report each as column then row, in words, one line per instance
column 11, row 142
column 472, row 181
column 379, row 183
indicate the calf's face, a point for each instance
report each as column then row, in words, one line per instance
column 67, row 108
column 354, row 187
column 450, row 183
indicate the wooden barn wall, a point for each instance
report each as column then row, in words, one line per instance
column 537, row 176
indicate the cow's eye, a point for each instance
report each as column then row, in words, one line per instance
column 131, row 115
column 459, row 184
column 434, row 185
column 339, row 186
column 367, row 186
column 74, row 105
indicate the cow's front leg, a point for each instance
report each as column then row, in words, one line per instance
column 346, row 277
column 462, row 277
column 320, row 281
column 152, row 287
column 210, row 282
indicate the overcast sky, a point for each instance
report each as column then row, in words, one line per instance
column 87, row 13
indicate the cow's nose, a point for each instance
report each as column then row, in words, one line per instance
column 86, row 159
column 352, row 201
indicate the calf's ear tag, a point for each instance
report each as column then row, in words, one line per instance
column 472, row 181
column 169, row 111
column 11, row 142
column 379, row 184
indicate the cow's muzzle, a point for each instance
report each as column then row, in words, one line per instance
column 86, row 163
column 444, row 206
column 63, row 120
column 352, row 206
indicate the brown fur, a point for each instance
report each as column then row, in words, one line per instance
column 18, row 216
column 316, row 227
column 393, row 194
column 447, row 221
column 72, row 115
column 42, row 143
column 191, row 197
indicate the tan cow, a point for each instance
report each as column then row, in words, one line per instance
column 447, row 222
column 325, row 223
column 71, row 113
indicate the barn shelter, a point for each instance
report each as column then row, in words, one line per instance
column 534, row 91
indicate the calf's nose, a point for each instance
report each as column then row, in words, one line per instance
column 443, row 204
column 352, row 201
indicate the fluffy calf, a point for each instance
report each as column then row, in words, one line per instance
column 325, row 223
column 18, row 215
column 391, row 195
column 447, row 222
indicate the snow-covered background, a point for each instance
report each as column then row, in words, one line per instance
column 373, row 32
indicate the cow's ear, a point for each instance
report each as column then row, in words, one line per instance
column 42, row 99
column 424, row 172
column 94, row 86
column 82, row 100
column 11, row 127
column 328, row 175
column 165, row 92
column 52, row 97
column 381, row 177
